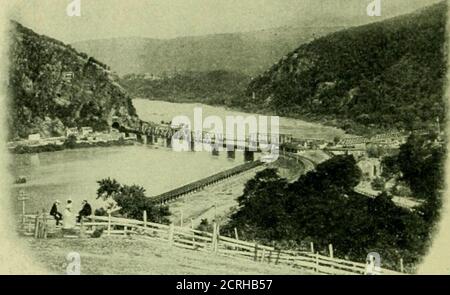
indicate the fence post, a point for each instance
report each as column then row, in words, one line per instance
column 36, row 226
column 145, row 219
column 217, row 238
column 45, row 229
column 171, row 229
column 269, row 259
column 125, row 229
column 214, row 237
column 330, row 250
column 193, row 233
column 263, row 255
column 317, row 261
column 256, row 252
column 401, row 265
column 236, row 234
column 109, row 224
column 278, row 256
column 312, row 247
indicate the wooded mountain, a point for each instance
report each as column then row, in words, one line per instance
column 249, row 53
column 213, row 87
column 53, row 86
column 388, row 74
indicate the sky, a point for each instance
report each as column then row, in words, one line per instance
column 175, row 18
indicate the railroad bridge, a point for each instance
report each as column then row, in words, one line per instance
column 164, row 134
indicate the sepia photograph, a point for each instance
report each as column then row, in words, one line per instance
column 224, row 137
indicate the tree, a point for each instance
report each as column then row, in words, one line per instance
column 71, row 141
column 322, row 207
column 131, row 200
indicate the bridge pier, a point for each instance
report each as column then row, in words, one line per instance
column 150, row 138
column 249, row 156
column 215, row 150
column 231, row 154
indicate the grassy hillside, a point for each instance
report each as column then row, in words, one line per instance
column 131, row 255
column 388, row 74
column 43, row 101
column 248, row 53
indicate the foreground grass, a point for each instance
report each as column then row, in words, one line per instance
column 136, row 255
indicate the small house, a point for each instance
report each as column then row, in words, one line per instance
column 71, row 131
column 85, row 131
column 34, row 137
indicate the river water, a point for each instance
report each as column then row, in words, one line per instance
column 73, row 174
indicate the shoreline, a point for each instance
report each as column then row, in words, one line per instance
column 25, row 149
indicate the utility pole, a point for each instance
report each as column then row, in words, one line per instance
column 23, row 198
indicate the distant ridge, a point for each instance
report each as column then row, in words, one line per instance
column 248, row 53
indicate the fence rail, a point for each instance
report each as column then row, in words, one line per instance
column 40, row 226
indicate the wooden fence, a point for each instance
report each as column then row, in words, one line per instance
column 192, row 239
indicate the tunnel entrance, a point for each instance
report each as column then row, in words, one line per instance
column 116, row 125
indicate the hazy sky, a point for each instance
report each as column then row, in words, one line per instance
column 173, row 18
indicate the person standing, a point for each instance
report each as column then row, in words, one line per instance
column 55, row 212
column 85, row 211
column 68, row 217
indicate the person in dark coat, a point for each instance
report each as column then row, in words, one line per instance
column 85, row 211
column 55, row 213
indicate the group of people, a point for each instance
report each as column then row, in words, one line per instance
column 68, row 218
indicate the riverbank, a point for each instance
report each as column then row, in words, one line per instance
column 36, row 149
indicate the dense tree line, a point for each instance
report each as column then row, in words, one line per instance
column 322, row 207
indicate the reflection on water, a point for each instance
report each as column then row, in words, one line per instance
column 72, row 174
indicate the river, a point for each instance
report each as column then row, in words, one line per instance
column 73, row 174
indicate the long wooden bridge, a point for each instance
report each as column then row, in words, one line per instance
column 203, row 183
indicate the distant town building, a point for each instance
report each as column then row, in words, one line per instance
column 85, row 131
column 34, row 137
column 71, row 131
column 131, row 136
column 354, row 142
